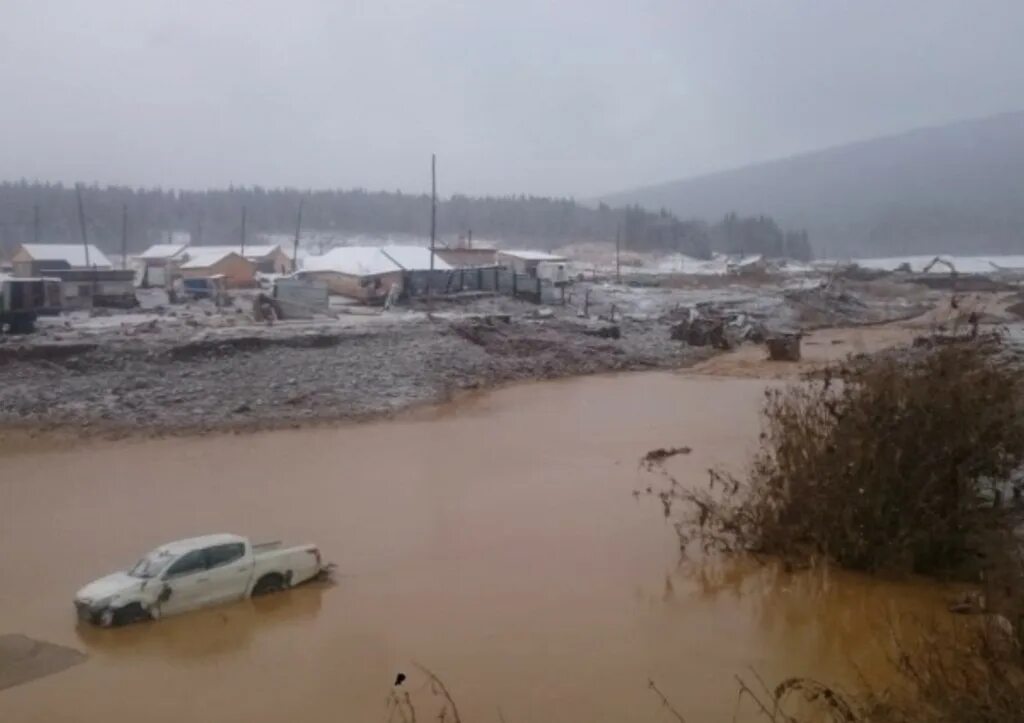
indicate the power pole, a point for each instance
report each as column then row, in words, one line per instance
column 298, row 230
column 243, row 233
column 81, row 222
column 618, row 243
column 433, row 208
column 124, row 236
column 35, row 223
column 469, row 239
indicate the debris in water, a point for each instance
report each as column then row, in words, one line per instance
column 657, row 456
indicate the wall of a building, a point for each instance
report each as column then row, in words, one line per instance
column 240, row 273
column 514, row 263
column 281, row 263
column 368, row 289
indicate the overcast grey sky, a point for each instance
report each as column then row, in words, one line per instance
column 566, row 97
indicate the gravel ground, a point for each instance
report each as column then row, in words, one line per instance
column 192, row 369
column 283, row 380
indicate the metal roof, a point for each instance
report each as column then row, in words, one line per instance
column 163, row 251
column 201, row 258
column 72, row 254
column 374, row 260
column 252, row 251
column 531, row 255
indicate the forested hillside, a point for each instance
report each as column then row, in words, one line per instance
column 49, row 212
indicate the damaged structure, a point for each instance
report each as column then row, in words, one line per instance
column 159, row 264
column 370, row 273
column 469, row 258
column 536, row 264
column 86, row 275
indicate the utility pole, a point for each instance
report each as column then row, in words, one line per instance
column 298, row 230
column 433, row 209
column 81, row 222
column 242, row 253
column 618, row 244
column 124, row 236
column 469, row 239
column 35, row 223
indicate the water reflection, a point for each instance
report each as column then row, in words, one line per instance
column 826, row 613
column 210, row 633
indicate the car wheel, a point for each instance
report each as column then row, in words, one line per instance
column 106, row 618
column 268, row 584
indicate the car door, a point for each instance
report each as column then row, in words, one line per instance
column 184, row 583
column 228, row 570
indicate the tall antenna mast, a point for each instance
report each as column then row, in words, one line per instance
column 124, row 236
column 433, row 206
column 298, row 230
column 243, row 231
column 81, row 222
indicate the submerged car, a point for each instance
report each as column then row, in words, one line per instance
column 195, row 573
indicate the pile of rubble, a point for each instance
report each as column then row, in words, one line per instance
column 706, row 325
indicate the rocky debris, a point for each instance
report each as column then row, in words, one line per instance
column 717, row 328
column 277, row 379
column 961, row 282
column 606, row 331
column 836, row 305
column 197, row 367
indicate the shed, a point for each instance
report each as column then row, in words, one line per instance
column 533, row 263
column 367, row 273
column 267, row 258
column 205, row 262
column 159, row 263
column 88, row 288
column 36, row 259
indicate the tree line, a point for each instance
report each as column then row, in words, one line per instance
column 47, row 212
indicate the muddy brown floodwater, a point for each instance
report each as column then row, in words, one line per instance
column 495, row 540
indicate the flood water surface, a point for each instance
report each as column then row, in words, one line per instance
column 494, row 540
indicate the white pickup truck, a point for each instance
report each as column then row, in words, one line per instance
column 194, row 573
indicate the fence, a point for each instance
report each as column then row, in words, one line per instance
column 493, row 280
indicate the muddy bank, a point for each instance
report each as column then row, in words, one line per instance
column 146, row 374
column 252, row 381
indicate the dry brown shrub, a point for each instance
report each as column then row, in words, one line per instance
column 901, row 461
column 894, row 461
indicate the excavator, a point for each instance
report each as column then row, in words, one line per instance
column 939, row 260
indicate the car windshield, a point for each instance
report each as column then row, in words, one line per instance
column 151, row 565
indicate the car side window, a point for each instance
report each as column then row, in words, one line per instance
column 188, row 563
column 224, row 554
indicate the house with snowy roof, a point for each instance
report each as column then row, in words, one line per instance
column 368, row 273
